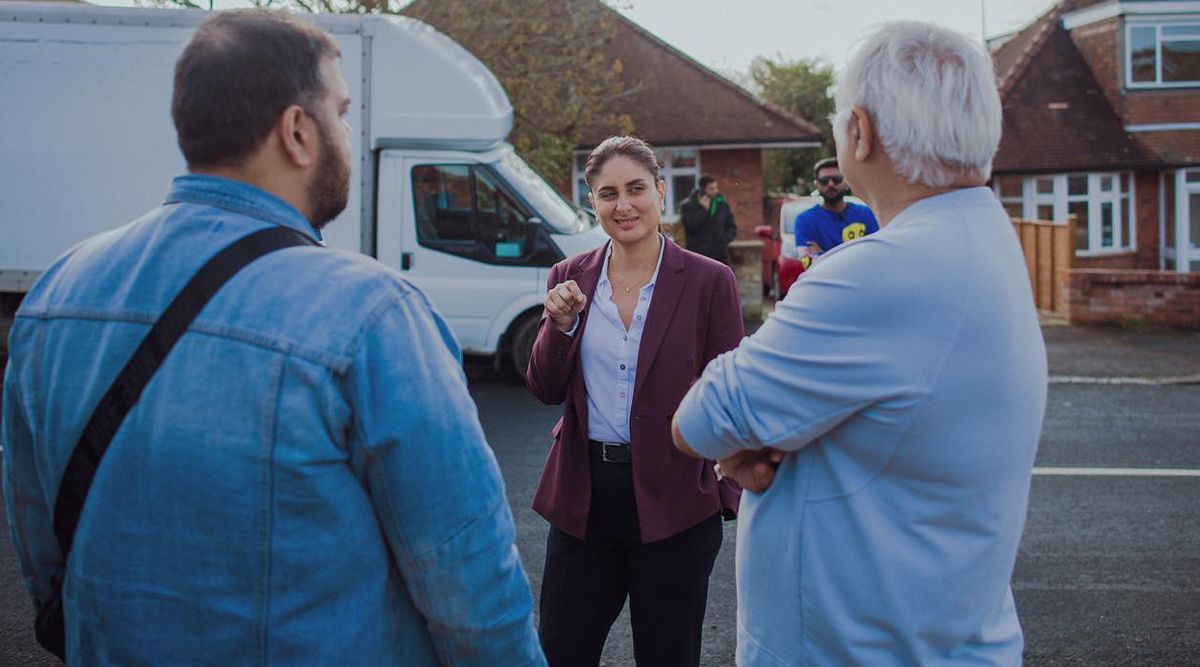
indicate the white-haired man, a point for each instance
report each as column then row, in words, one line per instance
column 886, row 418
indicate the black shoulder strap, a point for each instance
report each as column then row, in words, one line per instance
column 136, row 374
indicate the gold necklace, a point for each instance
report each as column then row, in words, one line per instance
column 627, row 289
column 630, row 288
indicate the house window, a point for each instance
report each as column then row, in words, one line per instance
column 1009, row 190
column 681, row 171
column 679, row 167
column 1101, row 203
column 1186, row 252
column 1162, row 55
column 579, row 187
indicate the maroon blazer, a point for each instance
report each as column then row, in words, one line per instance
column 694, row 315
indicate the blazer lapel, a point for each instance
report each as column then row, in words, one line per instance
column 667, row 288
column 586, row 274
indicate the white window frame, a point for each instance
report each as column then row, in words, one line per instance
column 1187, row 249
column 1060, row 201
column 667, row 172
column 1010, row 199
column 579, row 189
column 1131, row 25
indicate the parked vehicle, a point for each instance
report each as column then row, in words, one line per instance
column 790, row 263
column 768, row 234
column 436, row 192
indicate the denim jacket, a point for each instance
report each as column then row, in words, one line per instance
column 304, row 482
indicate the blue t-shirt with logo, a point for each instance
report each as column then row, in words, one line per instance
column 828, row 229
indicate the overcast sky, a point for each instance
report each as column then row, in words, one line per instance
column 727, row 34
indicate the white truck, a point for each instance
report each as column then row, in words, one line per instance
column 87, row 144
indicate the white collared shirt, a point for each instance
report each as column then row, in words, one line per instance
column 610, row 356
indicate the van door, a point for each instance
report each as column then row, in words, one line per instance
column 470, row 243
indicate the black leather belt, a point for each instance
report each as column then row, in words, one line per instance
column 612, row 452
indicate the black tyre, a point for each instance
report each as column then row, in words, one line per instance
column 520, row 349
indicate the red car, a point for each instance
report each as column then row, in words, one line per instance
column 782, row 264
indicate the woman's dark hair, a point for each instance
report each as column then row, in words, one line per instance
column 631, row 147
column 239, row 71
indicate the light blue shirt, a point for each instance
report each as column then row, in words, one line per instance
column 610, row 355
column 906, row 375
column 304, row 481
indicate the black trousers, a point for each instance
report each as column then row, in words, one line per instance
column 586, row 582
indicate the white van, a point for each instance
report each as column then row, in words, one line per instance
column 436, row 192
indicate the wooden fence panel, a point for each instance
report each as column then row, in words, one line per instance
column 1048, row 251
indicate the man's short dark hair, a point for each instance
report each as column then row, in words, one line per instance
column 824, row 164
column 239, row 71
column 705, row 180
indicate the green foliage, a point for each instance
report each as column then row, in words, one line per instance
column 805, row 88
column 552, row 58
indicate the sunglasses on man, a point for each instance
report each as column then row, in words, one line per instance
column 826, row 180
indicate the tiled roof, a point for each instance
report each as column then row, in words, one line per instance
column 1172, row 148
column 1011, row 57
column 674, row 100
column 1056, row 118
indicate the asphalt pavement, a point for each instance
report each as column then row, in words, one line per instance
column 1108, row 571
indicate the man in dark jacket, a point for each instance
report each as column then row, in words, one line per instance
column 708, row 221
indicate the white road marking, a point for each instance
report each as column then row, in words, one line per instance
column 1118, row 472
column 1084, row 379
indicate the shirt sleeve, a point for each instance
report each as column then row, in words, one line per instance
column 693, row 216
column 436, row 487
column 552, row 359
column 730, row 226
column 802, row 230
column 31, row 525
column 869, row 216
column 839, row 343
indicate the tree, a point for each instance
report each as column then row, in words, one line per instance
column 551, row 57
column 805, row 88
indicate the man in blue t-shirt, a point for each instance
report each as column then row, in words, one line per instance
column 835, row 220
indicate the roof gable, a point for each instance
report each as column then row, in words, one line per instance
column 1056, row 117
column 1013, row 56
column 675, row 100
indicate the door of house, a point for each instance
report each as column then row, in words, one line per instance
column 1186, row 251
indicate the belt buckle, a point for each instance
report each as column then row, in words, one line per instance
column 614, row 453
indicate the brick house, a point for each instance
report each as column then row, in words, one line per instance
column 700, row 122
column 1102, row 121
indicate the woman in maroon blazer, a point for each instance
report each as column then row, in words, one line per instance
column 627, row 328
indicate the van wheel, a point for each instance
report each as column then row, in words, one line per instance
column 521, row 348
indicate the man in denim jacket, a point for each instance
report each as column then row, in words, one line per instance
column 305, row 480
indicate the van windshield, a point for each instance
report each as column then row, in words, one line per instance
column 551, row 207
